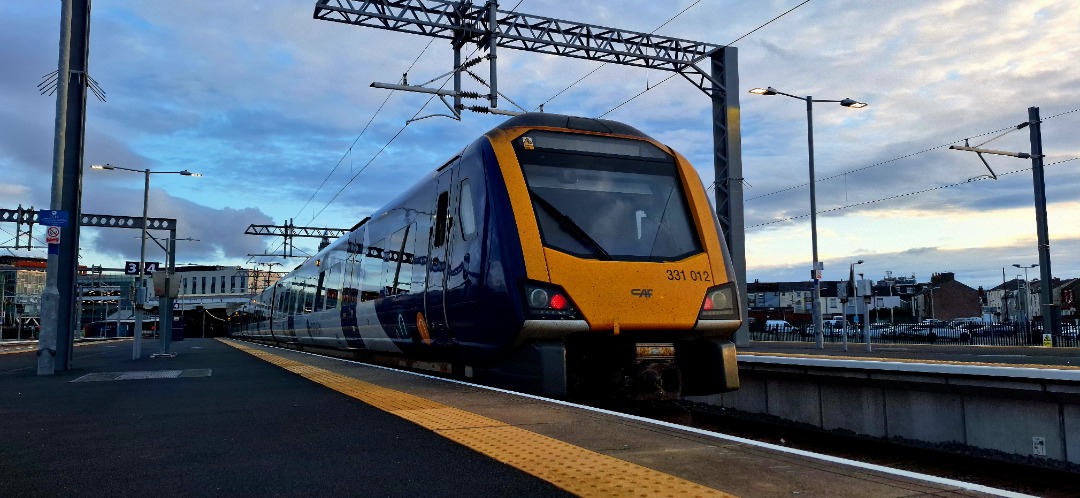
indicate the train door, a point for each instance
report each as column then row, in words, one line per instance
column 437, row 326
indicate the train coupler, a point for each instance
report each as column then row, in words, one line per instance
column 657, row 376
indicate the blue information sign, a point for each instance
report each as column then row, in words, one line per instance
column 53, row 218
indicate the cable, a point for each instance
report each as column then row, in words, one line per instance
column 940, row 187
column 579, row 80
column 349, row 151
column 768, row 23
column 366, row 126
column 396, row 135
column 728, row 45
column 1002, row 131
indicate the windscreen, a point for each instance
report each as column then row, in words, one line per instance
column 606, row 198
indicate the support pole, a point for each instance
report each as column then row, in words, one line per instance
column 58, row 301
column 816, row 271
column 493, row 32
column 728, row 173
column 140, row 278
column 1050, row 313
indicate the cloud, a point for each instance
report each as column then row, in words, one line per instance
column 218, row 232
column 275, row 108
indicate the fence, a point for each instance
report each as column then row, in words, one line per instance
column 1010, row 334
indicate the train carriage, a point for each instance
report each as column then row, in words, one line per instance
column 556, row 254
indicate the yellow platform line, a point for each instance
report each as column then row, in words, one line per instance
column 577, row 470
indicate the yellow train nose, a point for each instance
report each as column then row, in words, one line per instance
column 627, row 295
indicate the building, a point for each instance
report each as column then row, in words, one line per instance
column 22, row 281
column 945, row 299
column 207, row 296
column 1065, row 298
column 892, row 299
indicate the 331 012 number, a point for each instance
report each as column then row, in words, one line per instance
column 692, row 275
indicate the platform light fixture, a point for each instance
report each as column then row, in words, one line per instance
column 1027, row 290
column 137, row 333
column 817, row 267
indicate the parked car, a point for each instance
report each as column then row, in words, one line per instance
column 879, row 330
column 779, row 326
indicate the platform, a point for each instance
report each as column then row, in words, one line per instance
column 229, row 418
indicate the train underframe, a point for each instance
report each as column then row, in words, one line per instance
column 642, row 366
column 586, row 366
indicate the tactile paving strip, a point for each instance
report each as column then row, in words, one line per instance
column 577, row 470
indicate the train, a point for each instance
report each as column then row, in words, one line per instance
column 558, row 255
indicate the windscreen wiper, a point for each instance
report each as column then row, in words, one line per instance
column 568, row 224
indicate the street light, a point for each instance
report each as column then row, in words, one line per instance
column 850, row 293
column 140, row 290
column 1027, row 292
column 816, row 271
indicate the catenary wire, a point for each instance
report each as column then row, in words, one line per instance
column 627, row 101
column 597, row 68
column 1006, row 129
column 908, row 194
column 349, row 150
column 396, row 135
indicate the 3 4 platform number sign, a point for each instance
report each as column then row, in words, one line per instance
column 132, row 267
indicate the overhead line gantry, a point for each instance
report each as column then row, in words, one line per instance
column 288, row 231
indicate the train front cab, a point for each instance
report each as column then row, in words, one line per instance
column 628, row 284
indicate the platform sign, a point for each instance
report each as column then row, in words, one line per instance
column 132, row 267
column 53, row 217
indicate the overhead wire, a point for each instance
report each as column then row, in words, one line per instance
column 349, row 150
column 393, row 138
column 597, row 68
column 1000, row 131
column 364, row 130
column 672, row 75
column 908, row 194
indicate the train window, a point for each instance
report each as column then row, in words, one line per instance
column 320, row 292
column 440, row 219
column 333, row 283
column 466, row 211
column 310, row 284
column 608, row 198
column 373, row 271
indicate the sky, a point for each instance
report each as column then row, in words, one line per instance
column 276, row 111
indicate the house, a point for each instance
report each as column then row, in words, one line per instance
column 945, row 299
column 1065, row 299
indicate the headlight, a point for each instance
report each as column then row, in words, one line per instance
column 721, row 303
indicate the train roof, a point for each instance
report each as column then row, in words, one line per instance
column 572, row 122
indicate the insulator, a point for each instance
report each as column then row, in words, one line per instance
column 471, row 62
column 470, row 95
column 476, row 108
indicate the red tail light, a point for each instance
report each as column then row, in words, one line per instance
column 548, row 302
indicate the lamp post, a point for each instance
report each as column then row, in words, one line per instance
column 1027, row 289
column 816, row 271
column 851, row 293
column 140, row 291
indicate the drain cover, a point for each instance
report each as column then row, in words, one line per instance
column 144, row 374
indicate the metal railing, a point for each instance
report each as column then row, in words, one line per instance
column 998, row 334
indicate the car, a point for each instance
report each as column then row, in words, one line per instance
column 879, row 330
column 779, row 326
column 835, row 322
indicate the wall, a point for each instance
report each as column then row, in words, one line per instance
column 1011, row 410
